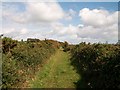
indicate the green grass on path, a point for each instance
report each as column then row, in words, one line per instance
column 56, row 73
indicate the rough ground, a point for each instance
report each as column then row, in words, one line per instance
column 56, row 73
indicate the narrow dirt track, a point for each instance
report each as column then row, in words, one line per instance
column 56, row 73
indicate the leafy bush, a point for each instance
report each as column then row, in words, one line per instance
column 10, row 74
column 66, row 46
column 7, row 44
column 21, row 59
column 99, row 65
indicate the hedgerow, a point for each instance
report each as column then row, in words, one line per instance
column 98, row 65
column 22, row 59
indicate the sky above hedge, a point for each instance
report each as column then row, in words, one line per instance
column 64, row 21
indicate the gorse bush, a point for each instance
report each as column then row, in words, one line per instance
column 8, row 44
column 21, row 59
column 66, row 46
column 31, row 54
column 10, row 75
column 99, row 65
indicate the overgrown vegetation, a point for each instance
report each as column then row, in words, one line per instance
column 21, row 59
column 98, row 65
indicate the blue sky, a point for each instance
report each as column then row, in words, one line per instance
column 62, row 0
column 110, row 6
column 71, row 21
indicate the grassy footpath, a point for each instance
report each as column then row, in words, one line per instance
column 56, row 73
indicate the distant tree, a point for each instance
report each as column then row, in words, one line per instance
column 66, row 46
column 45, row 39
column 7, row 44
column 106, row 42
column 21, row 40
column 1, row 35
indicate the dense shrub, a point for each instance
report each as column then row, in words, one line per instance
column 98, row 64
column 66, row 46
column 7, row 44
column 10, row 74
column 21, row 59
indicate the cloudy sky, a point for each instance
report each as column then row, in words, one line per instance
column 74, row 22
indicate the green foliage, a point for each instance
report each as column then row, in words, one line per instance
column 99, row 64
column 21, row 59
column 56, row 73
column 66, row 46
column 10, row 74
column 7, row 44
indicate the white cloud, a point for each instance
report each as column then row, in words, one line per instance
column 98, row 18
column 80, row 26
column 99, row 24
column 36, row 12
column 70, row 14
column 23, row 31
column 43, row 20
column 103, row 34
column 88, row 33
column 14, row 32
column 61, row 30
column 7, row 30
column 44, row 11
column 68, row 17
